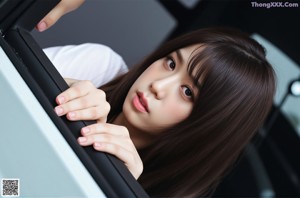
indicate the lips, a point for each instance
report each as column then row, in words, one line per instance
column 140, row 102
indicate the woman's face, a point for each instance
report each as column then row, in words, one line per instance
column 163, row 95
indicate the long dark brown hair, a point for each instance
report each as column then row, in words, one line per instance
column 190, row 158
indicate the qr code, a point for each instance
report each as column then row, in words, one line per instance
column 10, row 187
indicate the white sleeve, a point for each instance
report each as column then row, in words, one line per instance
column 95, row 62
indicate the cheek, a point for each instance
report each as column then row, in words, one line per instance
column 150, row 73
column 144, row 79
column 175, row 112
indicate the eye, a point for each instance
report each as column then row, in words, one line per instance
column 171, row 63
column 187, row 92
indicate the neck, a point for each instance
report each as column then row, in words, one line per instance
column 140, row 138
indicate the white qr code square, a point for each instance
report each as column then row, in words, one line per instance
column 10, row 187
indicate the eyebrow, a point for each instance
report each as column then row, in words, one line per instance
column 179, row 56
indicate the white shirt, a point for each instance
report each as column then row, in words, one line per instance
column 95, row 62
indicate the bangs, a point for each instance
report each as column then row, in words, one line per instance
column 197, row 68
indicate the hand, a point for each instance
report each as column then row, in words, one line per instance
column 82, row 101
column 63, row 7
column 113, row 139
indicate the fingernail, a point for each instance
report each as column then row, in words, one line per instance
column 97, row 144
column 85, row 130
column 71, row 115
column 59, row 110
column 61, row 99
column 82, row 139
column 42, row 26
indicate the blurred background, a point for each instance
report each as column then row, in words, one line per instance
column 270, row 166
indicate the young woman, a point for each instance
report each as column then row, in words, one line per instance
column 183, row 116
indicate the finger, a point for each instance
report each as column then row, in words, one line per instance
column 105, row 138
column 122, row 148
column 120, row 152
column 92, row 113
column 77, row 90
column 89, row 107
column 94, row 99
column 130, row 159
column 51, row 18
column 57, row 12
column 70, row 81
column 76, row 104
column 105, row 128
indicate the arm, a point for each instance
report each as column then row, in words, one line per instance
column 56, row 13
column 94, row 62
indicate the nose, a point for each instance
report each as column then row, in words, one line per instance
column 161, row 87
